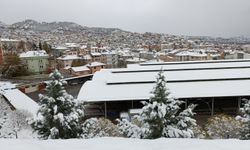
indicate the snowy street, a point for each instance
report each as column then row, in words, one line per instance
column 125, row 144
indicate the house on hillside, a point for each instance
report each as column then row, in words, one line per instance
column 66, row 61
column 95, row 66
column 80, row 70
column 36, row 61
column 58, row 51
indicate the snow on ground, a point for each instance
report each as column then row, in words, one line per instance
column 124, row 144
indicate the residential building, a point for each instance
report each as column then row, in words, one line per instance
column 80, row 70
column 66, row 61
column 111, row 59
column 95, row 66
column 58, row 51
column 36, row 61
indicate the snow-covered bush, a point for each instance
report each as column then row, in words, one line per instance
column 245, row 119
column 59, row 115
column 13, row 123
column 101, row 127
column 199, row 132
column 222, row 127
column 4, row 111
column 133, row 129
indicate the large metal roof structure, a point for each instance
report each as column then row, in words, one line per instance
column 192, row 79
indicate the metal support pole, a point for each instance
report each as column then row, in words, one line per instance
column 186, row 103
column 132, row 104
column 212, row 110
column 105, row 109
column 239, row 104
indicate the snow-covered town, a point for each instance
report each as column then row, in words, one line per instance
column 124, row 75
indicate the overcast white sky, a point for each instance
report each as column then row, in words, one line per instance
column 182, row 17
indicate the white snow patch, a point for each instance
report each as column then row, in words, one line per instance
column 125, row 144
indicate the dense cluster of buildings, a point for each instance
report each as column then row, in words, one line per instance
column 73, row 46
column 86, row 58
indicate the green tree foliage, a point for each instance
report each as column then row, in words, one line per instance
column 76, row 63
column 161, row 116
column 40, row 46
column 60, row 114
column 13, row 66
column 45, row 46
column 21, row 46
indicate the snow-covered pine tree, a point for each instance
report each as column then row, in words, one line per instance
column 245, row 118
column 161, row 116
column 160, row 110
column 186, row 122
column 59, row 114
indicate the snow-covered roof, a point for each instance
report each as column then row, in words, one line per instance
column 21, row 101
column 109, row 53
column 87, row 57
column 191, row 53
column 185, row 80
column 6, row 85
column 66, row 68
column 135, row 59
column 190, row 65
column 40, row 53
column 83, row 47
column 71, row 45
column 95, row 54
column 18, row 99
column 69, row 57
column 80, row 68
column 9, row 40
column 246, row 46
column 95, row 64
column 61, row 48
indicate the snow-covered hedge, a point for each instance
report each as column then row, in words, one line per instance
column 222, row 127
column 101, row 127
column 245, row 119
